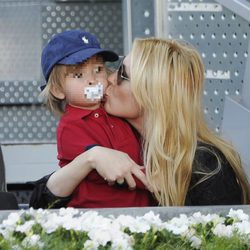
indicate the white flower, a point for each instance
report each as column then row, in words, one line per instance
column 102, row 237
column 238, row 214
column 242, row 227
column 70, row 211
column 195, row 242
column 194, row 239
column 32, row 241
column 121, row 240
column 123, row 243
column 91, row 245
column 135, row 225
column 110, row 230
column 39, row 215
column 16, row 247
column 177, row 225
column 91, row 219
column 6, row 233
column 152, row 219
column 72, row 223
column 179, row 221
column 51, row 223
column 197, row 218
column 222, row 230
column 12, row 220
column 176, row 229
column 25, row 228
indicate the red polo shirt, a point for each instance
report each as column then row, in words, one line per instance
column 80, row 128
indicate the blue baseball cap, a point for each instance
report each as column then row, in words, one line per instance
column 70, row 48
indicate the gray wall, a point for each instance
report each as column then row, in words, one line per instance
column 25, row 27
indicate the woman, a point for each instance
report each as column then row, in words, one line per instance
column 158, row 90
column 186, row 163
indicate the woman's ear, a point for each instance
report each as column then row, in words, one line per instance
column 57, row 92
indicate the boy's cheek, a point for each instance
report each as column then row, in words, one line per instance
column 103, row 81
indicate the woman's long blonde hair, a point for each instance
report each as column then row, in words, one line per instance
column 167, row 81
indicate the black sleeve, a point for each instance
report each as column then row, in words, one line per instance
column 42, row 197
column 220, row 189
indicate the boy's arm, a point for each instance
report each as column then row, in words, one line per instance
column 54, row 190
column 63, row 182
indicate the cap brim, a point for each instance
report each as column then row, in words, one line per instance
column 83, row 55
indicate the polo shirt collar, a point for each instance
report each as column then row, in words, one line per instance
column 81, row 113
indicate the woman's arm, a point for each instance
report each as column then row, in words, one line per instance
column 113, row 165
column 109, row 163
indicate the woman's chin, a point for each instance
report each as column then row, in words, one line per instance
column 108, row 108
column 105, row 105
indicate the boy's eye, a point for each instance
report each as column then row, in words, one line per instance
column 98, row 69
column 77, row 75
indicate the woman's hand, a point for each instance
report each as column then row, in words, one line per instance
column 111, row 164
column 114, row 165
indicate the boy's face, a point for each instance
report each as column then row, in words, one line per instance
column 85, row 83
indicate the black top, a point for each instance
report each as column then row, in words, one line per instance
column 219, row 189
column 8, row 201
column 42, row 197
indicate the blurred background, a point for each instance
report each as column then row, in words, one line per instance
column 219, row 29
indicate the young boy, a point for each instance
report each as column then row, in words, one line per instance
column 73, row 65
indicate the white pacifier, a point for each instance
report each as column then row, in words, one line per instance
column 94, row 92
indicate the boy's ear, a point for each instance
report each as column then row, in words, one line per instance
column 57, row 92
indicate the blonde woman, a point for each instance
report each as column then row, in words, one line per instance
column 186, row 163
column 158, row 90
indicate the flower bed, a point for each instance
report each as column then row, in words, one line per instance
column 73, row 229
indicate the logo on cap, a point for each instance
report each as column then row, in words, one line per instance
column 85, row 40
